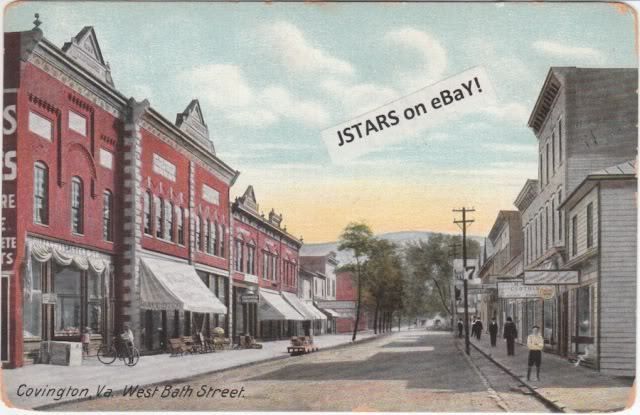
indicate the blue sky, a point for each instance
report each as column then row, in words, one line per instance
column 271, row 77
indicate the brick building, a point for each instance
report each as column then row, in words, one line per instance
column 106, row 203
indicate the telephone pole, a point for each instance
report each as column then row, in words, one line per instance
column 463, row 225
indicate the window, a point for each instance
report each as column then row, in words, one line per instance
column 540, row 171
column 584, row 321
column 158, row 210
column 94, row 301
column 251, row 254
column 274, row 268
column 147, row 214
column 68, row 307
column 197, row 237
column 546, row 227
column 547, row 164
column 560, row 141
column 238, row 261
column 40, row 194
column 553, row 219
column 106, row 159
column 201, row 224
column 107, row 216
column 222, row 240
column 535, row 238
column 180, row 226
column 207, row 236
column 168, row 221
column 216, row 237
column 40, row 126
column 549, row 311
column 574, row 235
column 77, row 206
column 559, row 215
column 32, row 308
column 77, row 123
column 553, row 151
column 265, row 265
column 589, row 225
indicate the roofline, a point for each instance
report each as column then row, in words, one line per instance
column 595, row 178
column 501, row 218
column 236, row 205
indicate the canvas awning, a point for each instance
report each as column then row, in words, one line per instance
column 331, row 312
column 274, row 307
column 299, row 306
column 169, row 285
column 319, row 314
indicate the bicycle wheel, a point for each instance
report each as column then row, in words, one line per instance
column 134, row 359
column 106, row 354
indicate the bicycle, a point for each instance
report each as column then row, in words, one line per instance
column 108, row 354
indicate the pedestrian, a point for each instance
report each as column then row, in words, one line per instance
column 535, row 344
column 127, row 338
column 479, row 328
column 460, row 327
column 493, row 331
column 473, row 326
column 510, row 335
column 86, row 339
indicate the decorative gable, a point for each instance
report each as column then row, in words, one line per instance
column 192, row 122
column 85, row 50
column 248, row 200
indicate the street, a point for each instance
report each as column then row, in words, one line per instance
column 403, row 371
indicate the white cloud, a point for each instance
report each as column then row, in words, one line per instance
column 559, row 50
column 358, row 98
column 511, row 148
column 225, row 87
column 289, row 44
column 510, row 111
column 433, row 58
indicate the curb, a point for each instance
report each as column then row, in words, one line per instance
column 556, row 406
column 52, row 405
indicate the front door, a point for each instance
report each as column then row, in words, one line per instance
column 564, row 324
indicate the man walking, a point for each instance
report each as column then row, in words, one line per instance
column 535, row 344
column 493, row 331
column 510, row 335
column 460, row 327
column 479, row 327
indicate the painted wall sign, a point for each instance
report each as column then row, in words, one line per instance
column 520, row 290
column 536, row 277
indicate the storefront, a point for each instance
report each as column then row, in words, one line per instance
column 174, row 301
column 67, row 290
column 277, row 318
column 245, row 312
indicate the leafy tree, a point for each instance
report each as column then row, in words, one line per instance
column 383, row 268
column 357, row 237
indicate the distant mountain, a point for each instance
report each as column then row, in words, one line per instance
column 400, row 238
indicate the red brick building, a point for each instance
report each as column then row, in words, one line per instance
column 104, row 202
column 266, row 265
column 345, row 304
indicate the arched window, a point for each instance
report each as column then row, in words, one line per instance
column 148, row 224
column 77, row 206
column 216, row 237
column 41, row 194
column 222, row 241
column 107, row 216
column 158, row 210
column 207, row 241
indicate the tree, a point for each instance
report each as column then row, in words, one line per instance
column 357, row 238
column 383, row 268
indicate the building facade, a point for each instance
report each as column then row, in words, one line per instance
column 323, row 285
column 107, row 193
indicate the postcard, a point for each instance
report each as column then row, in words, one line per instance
column 319, row 206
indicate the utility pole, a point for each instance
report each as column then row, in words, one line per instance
column 463, row 225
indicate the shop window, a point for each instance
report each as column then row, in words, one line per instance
column 41, row 194
column 40, row 126
column 107, row 216
column 94, row 312
column 77, row 206
column 67, row 283
column 77, row 123
column 32, row 306
column 180, row 226
column 549, row 312
column 147, row 214
column 187, row 323
column 589, row 225
column 158, row 211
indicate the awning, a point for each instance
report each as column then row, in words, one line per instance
column 168, row 285
column 274, row 307
column 319, row 314
column 331, row 312
column 299, row 306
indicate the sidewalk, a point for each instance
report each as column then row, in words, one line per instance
column 149, row 370
column 570, row 388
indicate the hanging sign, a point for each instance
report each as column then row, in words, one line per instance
column 520, row 290
column 546, row 276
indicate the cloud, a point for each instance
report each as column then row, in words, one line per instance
column 510, row 111
column 559, row 50
column 358, row 98
column 432, row 54
column 511, row 148
column 225, row 88
column 290, row 45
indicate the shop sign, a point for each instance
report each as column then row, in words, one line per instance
column 250, row 299
column 519, row 290
column 49, row 298
column 545, row 276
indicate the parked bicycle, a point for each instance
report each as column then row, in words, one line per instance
column 108, row 354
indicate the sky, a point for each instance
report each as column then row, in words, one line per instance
column 271, row 77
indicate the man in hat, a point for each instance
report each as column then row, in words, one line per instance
column 535, row 344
